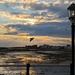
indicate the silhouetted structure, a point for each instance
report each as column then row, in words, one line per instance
column 71, row 10
column 27, row 69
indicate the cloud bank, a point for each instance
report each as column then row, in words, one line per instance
column 37, row 18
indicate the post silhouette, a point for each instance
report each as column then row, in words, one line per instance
column 27, row 68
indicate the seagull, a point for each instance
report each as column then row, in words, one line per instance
column 66, row 29
column 31, row 39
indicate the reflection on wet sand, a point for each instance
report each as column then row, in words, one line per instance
column 30, row 59
column 24, row 58
column 20, row 58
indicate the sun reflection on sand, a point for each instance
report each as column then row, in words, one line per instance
column 23, row 58
column 31, row 72
column 30, row 59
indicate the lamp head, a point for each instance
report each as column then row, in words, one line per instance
column 71, row 12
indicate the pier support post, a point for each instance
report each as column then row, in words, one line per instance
column 27, row 68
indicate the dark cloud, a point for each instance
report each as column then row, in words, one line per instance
column 59, row 29
column 38, row 6
column 59, row 9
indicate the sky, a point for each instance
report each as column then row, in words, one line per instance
column 45, row 20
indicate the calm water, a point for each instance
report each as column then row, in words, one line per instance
column 34, row 59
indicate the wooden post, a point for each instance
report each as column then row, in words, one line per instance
column 27, row 69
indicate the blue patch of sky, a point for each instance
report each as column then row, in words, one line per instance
column 13, row 9
column 2, row 6
column 4, row 19
column 40, row 0
column 17, row 10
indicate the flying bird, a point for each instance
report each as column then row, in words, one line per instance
column 66, row 29
column 31, row 39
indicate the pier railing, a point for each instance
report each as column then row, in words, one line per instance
column 57, row 69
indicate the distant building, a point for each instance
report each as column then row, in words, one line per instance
column 31, row 47
column 44, row 46
column 68, row 46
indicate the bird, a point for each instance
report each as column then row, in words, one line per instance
column 31, row 39
column 66, row 29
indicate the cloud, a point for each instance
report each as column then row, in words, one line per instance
column 2, row 1
column 28, row 1
column 2, row 29
column 47, row 13
column 19, row 17
column 52, row 8
column 38, row 6
column 36, row 12
column 64, row 1
column 16, row 3
column 57, row 29
column 10, row 30
column 16, row 15
column 40, row 18
column 31, row 18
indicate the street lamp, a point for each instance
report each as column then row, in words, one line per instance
column 71, row 14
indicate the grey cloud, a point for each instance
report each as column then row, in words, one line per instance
column 58, row 29
column 62, row 1
column 59, row 9
column 38, row 6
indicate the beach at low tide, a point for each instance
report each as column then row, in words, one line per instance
column 23, row 58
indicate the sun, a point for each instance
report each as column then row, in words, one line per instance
column 32, row 22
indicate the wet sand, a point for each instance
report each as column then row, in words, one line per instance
column 33, row 59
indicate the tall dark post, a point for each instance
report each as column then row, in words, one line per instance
column 71, row 15
column 72, row 65
column 27, row 69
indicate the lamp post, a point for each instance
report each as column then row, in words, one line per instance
column 71, row 13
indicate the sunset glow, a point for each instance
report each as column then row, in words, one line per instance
column 45, row 20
